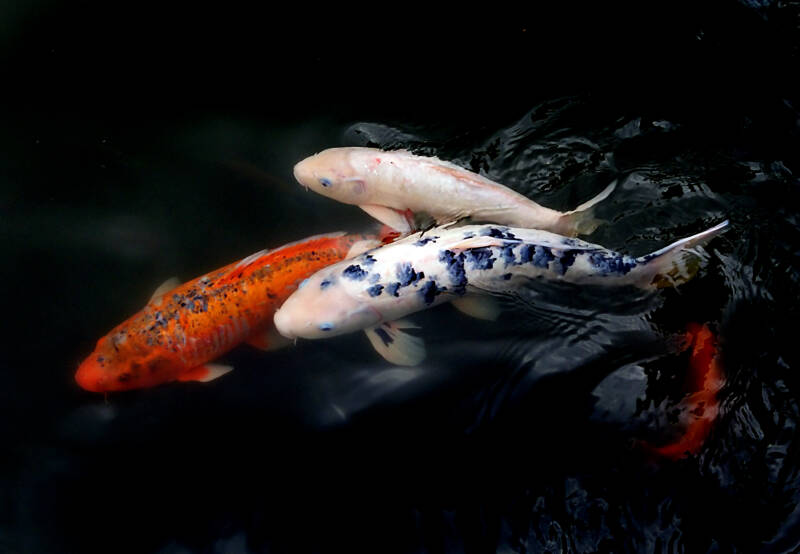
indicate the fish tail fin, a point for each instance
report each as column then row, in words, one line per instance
column 678, row 262
column 581, row 220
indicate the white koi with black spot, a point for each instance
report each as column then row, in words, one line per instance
column 454, row 264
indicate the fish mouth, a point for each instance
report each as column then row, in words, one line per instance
column 297, row 175
column 89, row 377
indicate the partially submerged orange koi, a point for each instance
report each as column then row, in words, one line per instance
column 184, row 327
column 701, row 407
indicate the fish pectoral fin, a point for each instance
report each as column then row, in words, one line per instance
column 166, row 286
column 268, row 339
column 396, row 346
column 480, row 307
column 388, row 216
column 361, row 246
column 205, row 373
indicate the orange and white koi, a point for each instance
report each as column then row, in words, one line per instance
column 393, row 185
column 182, row 328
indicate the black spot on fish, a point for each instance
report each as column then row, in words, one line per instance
column 384, row 336
column 567, row 259
column 160, row 319
column 392, row 289
column 426, row 240
column 406, row 274
column 354, row 272
column 508, row 255
column 526, row 253
column 612, row 264
column 469, row 235
column 455, row 268
column 429, row 291
column 375, row 290
column 498, row 232
column 481, row 258
column 542, row 257
column 325, row 326
column 368, row 260
column 506, row 277
column 325, row 284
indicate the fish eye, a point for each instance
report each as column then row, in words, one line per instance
column 325, row 182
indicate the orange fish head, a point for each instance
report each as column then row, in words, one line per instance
column 111, row 368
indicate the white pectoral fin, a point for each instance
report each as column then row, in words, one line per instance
column 480, row 307
column 396, row 346
column 216, row 370
column 166, row 286
column 388, row 216
column 206, row 373
column 360, row 247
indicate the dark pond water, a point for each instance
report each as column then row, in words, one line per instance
column 123, row 165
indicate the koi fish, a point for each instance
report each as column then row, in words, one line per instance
column 700, row 408
column 392, row 186
column 183, row 327
column 465, row 266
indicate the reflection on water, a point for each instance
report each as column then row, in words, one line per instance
column 519, row 434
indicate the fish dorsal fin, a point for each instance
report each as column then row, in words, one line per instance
column 480, row 307
column 206, row 373
column 361, row 246
column 480, row 242
column 261, row 253
column 396, row 346
column 388, row 216
column 164, row 287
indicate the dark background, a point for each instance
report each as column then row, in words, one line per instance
column 142, row 141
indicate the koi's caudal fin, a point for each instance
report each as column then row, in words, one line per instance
column 676, row 263
column 581, row 220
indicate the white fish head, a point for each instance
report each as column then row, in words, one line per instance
column 334, row 174
column 323, row 308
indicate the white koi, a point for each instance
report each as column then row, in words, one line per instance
column 463, row 265
column 390, row 184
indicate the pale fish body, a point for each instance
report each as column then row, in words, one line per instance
column 459, row 264
column 389, row 184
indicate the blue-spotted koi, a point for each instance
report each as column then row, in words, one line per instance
column 463, row 265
